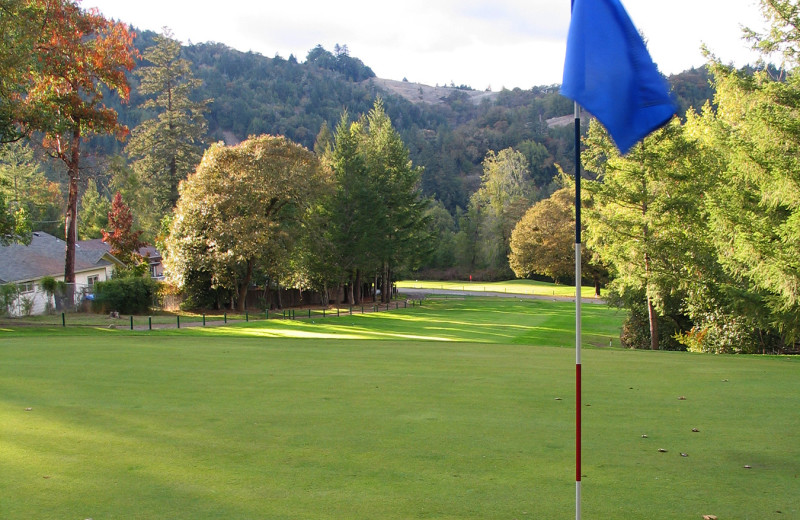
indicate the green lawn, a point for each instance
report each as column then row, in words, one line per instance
column 509, row 287
column 459, row 409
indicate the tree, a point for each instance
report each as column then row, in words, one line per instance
column 80, row 53
column 18, row 30
column 506, row 192
column 124, row 241
column 784, row 19
column 14, row 225
column 339, row 244
column 543, row 240
column 755, row 209
column 398, row 220
column 25, row 187
column 166, row 148
column 241, row 212
column 644, row 215
column 94, row 212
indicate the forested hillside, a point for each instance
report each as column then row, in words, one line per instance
column 252, row 94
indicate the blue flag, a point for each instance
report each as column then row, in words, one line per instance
column 609, row 72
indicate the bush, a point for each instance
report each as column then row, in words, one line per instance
column 55, row 290
column 8, row 295
column 127, row 295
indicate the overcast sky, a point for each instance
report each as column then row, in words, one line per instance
column 480, row 43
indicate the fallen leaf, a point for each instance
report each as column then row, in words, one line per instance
column 662, row 450
column 747, row 466
column 695, row 430
column 644, row 436
column 28, row 409
column 682, row 398
column 684, row 454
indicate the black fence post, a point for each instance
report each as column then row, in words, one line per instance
column 179, row 320
column 63, row 320
column 204, row 319
column 246, row 316
column 131, row 321
column 149, row 323
column 225, row 317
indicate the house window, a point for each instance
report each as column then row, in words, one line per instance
column 27, row 287
column 91, row 280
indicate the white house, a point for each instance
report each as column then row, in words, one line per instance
column 25, row 266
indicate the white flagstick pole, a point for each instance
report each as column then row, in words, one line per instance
column 577, row 312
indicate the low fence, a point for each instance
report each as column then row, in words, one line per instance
column 117, row 321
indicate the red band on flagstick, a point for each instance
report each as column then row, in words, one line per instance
column 578, row 422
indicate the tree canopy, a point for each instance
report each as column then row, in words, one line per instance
column 240, row 213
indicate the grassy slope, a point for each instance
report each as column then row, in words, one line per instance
column 238, row 422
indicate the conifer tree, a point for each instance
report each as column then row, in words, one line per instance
column 93, row 216
column 166, row 148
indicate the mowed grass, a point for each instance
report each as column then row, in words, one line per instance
column 509, row 286
column 458, row 409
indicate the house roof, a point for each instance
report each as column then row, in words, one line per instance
column 44, row 256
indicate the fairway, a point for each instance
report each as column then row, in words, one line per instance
column 459, row 409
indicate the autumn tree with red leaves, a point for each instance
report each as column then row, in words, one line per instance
column 78, row 54
column 124, row 242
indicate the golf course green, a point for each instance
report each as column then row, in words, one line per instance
column 456, row 409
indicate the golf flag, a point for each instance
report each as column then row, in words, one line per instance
column 609, row 72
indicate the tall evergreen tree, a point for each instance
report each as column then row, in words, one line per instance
column 25, row 187
column 341, row 247
column 645, row 220
column 166, row 148
column 398, row 219
column 93, row 215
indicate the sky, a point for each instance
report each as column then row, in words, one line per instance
column 480, row 43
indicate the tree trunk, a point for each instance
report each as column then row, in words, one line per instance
column 242, row 303
column 351, row 299
column 71, row 221
column 651, row 314
column 358, row 295
column 280, row 302
column 385, row 296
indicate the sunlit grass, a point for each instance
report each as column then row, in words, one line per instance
column 459, row 409
column 529, row 287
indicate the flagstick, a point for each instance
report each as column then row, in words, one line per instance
column 577, row 312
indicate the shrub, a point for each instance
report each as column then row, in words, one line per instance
column 8, row 295
column 127, row 295
column 55, row 290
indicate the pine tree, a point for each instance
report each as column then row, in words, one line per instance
column 93, row 216
column 166, row 148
